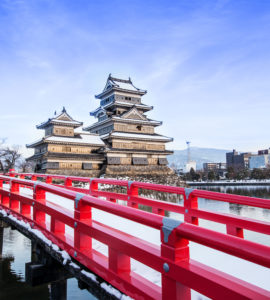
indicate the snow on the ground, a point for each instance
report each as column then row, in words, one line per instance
column 239, row 268
column 232, row 181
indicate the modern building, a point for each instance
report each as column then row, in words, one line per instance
column 238, row 160
column 131, row 144
column 219, row 168
column 259, row 161
column 265, row 151
column 66, row 150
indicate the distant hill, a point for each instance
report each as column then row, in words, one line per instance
column 200, row 155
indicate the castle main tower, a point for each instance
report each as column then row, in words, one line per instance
column 131, row 145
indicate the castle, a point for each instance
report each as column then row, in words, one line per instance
column 122, row 141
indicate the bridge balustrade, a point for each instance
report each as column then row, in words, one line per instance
column 235, row 225
column 179, row 272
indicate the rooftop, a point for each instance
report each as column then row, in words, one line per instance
column 82, row 138
column 122, row 120
column 138, row 136
column 121, row 85
column 63, row 119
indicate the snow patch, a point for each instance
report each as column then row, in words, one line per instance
column 90, row 275
column 73, row 265
column 65, row 256
column 55, row 247
column 3, row 212
column 110, row 290
column 41, row 236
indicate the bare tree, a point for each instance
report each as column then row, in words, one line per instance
column 2, row 141
column 25, row 166
column 9, row 156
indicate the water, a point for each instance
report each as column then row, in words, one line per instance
column 16, row 252
column 17, row 248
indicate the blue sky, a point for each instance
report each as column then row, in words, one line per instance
column 205, row 64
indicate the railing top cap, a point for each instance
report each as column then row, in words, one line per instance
column 265, row 203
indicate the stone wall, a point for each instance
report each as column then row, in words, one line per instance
column 138, row 170
column 169, row 179
column 80, row 173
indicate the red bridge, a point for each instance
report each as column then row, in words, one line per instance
column 179, row 273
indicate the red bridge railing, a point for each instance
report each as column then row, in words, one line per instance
column 179, row 273
column 235, row 225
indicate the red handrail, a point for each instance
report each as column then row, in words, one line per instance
column 179, row 273
column 235, row 225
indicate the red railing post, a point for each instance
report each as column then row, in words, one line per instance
column 22, row 176
column 11, row 173
column 68, row 182
column 119, row 263
column 34, row 177
column 25, row 210
column 3, row 199
column 57, row 227
column 93, row 186
column 158, row 211
column 48, row 180
column 14, row 202
column 190, row 202
column 175, row 249
column 236, row 231
column 39, row 196
column 83, row 213
column 132, row 191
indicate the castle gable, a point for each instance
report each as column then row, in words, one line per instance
column 108, row 85
column 64, row 117
column 133, row 113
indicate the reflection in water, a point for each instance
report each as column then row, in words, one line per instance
column 251, row 191
column 12, row 285
column 244, row 210
column 16, row 252
column 235, row 208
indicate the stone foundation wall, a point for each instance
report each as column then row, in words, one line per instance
column 129, row 170
column 79, row 173
column 169, row 179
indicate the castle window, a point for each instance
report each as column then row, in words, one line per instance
column 139, row 127
column 66, row 149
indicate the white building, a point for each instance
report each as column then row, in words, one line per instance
column 189, row 165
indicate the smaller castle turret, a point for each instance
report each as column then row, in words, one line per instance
column 65, row 149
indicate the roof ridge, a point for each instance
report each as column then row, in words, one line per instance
column 119, row 79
